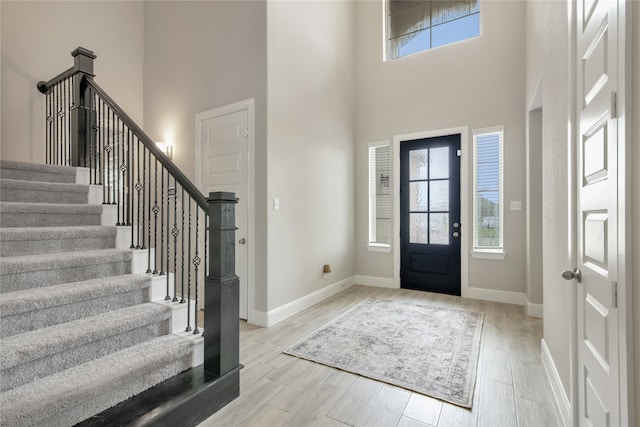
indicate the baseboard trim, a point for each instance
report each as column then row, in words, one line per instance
column 378, row 282
column 562, row 404
column 507, row 297
column 535, row 310
column 285, row 311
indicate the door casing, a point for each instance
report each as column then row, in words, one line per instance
column 249, row 106
column 465, row 208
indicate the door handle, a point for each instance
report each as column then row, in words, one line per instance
column 456, row 234
column 570, row 275
column 242, row 241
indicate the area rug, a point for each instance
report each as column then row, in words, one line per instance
column 421, row 347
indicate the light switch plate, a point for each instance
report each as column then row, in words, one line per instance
column 276, row 204
column 516, row 205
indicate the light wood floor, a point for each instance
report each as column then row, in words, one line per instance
column 281, row 390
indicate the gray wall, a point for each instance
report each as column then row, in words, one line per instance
column 36, row 41
column 476, row 83
column 547, row 58
column 310, row 146
column 200, row 55
column 636, row 201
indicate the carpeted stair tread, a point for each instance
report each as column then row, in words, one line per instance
column 29, row 309
column 14, row 190
column 12, row 303
column 19, row 214
column 36, row 172
column 90, row 388
column 18, row 241
column 20, row 264
column 23, row 348
column 24, row 272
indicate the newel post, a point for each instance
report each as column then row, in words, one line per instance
column 80, row 111
column 221, row 323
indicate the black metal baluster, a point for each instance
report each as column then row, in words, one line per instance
column 107, row 149
column 116, row 168
column 196, row 264
column 49, row 152
column 123, row 169
column 182, row 265
column 144, row 191
column 99, row 158
column 148, row 180
column 113, row 175
column 56, row 144
column 63, row 120
column 188, row 328
column 206, row 246
column 162, row 227
column 69, row 105
column 155, row 209
column 138, row 190
column 175, row 233
column 129, row 192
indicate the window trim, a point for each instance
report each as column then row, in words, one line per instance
column 372, row 245
column 481, row 252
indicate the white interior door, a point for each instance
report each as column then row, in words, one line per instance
column 598, row 367
column 225, row 167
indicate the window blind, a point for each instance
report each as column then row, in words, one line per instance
column 380, row 194
column 488, row 190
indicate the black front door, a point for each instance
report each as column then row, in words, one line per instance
column 430, row 214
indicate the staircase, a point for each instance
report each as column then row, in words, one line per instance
column 79, row 331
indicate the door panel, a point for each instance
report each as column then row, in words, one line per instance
column 225, row 164
column 596, row 69
column 430, row 214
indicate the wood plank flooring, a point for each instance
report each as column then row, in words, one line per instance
column 281, row 390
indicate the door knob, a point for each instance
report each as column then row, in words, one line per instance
column 456, row 234
column 570, row 275
column 242, row 241
column 456, row 225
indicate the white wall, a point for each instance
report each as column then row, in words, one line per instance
column 36, row 41
column 310, row 146
column 547, row 57
column 200, row 56
column 477, row 83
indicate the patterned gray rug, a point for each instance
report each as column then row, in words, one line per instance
column 424, row 348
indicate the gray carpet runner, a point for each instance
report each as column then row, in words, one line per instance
column 78, row 333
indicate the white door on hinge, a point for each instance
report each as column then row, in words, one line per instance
column 225, row 167
column 597, row 213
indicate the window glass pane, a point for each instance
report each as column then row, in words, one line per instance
column 439, row 228
column 411, row 43
column 419, row 196
column 409, row 20
column 445, row 11
column 453, row 31
column 439, row 163
column 419, row 228
column 418, row 164
column 439, row 200
column 380, row 194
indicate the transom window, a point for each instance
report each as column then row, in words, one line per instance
column 419, row 25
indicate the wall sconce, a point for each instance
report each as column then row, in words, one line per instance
column 166, row 148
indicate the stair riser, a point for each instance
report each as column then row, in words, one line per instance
column 22, row 374
column 32, row 279
column 32, row 320
column 43, row 176
column 21, row 219
column 34, row 247
column 35, row 196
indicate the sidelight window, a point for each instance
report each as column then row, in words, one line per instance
column 488, row 191
column 379, row 196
